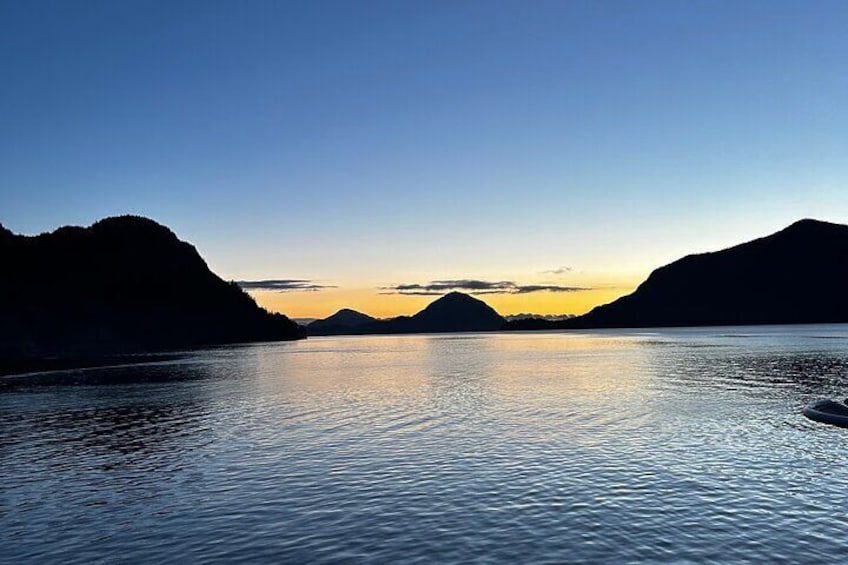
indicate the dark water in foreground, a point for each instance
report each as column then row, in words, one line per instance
column 605, row 446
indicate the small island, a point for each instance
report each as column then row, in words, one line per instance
column 453, row 312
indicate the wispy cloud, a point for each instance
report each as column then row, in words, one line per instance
column 559, row 270
column 283, row 285
column 475, row 286
column 523, row 289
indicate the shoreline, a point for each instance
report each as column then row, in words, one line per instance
column 11, row 367
column 25, row 366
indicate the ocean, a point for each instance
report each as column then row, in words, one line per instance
column 594, row 446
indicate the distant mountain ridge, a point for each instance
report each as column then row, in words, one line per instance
column 529, row 316
column 797, row 275
column 453, row 312
column 339, row 323
column 124, row 284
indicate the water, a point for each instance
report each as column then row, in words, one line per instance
column 608, row 446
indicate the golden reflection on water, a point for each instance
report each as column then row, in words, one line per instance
column 593, row 446
column 460, row 373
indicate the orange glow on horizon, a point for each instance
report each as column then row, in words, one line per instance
column 324, row 303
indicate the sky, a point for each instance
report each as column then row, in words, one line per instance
column 548, row 155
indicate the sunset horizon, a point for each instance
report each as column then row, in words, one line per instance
column 563, row 291
column 423, row 281
column 358, row 148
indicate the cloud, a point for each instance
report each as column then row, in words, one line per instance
column 559, row 270
column 283, row 285
column 475, row 286
column 523, row 289
column 447, row 285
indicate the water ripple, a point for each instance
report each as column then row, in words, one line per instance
column 684, row 445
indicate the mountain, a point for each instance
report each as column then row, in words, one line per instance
column 339, row 323
column 797, row 275
column 529, row 316
column 454, row 312
column 124, row 284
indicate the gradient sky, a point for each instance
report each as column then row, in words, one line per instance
column 364, row 145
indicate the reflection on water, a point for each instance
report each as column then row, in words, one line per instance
column 600, row 446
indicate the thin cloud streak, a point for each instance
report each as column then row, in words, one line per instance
column 475, row 286
column 559, row 270
column 284, row 285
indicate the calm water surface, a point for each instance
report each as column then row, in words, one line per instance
column 609, row 446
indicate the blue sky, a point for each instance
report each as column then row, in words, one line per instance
column 362, row 144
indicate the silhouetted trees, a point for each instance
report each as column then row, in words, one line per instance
column 124, row 284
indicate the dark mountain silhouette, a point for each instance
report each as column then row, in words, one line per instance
column 529, row 316
column 533, row 323
column 797, row 275
column 339, row 322
column 125, row 284
column 454, row 312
